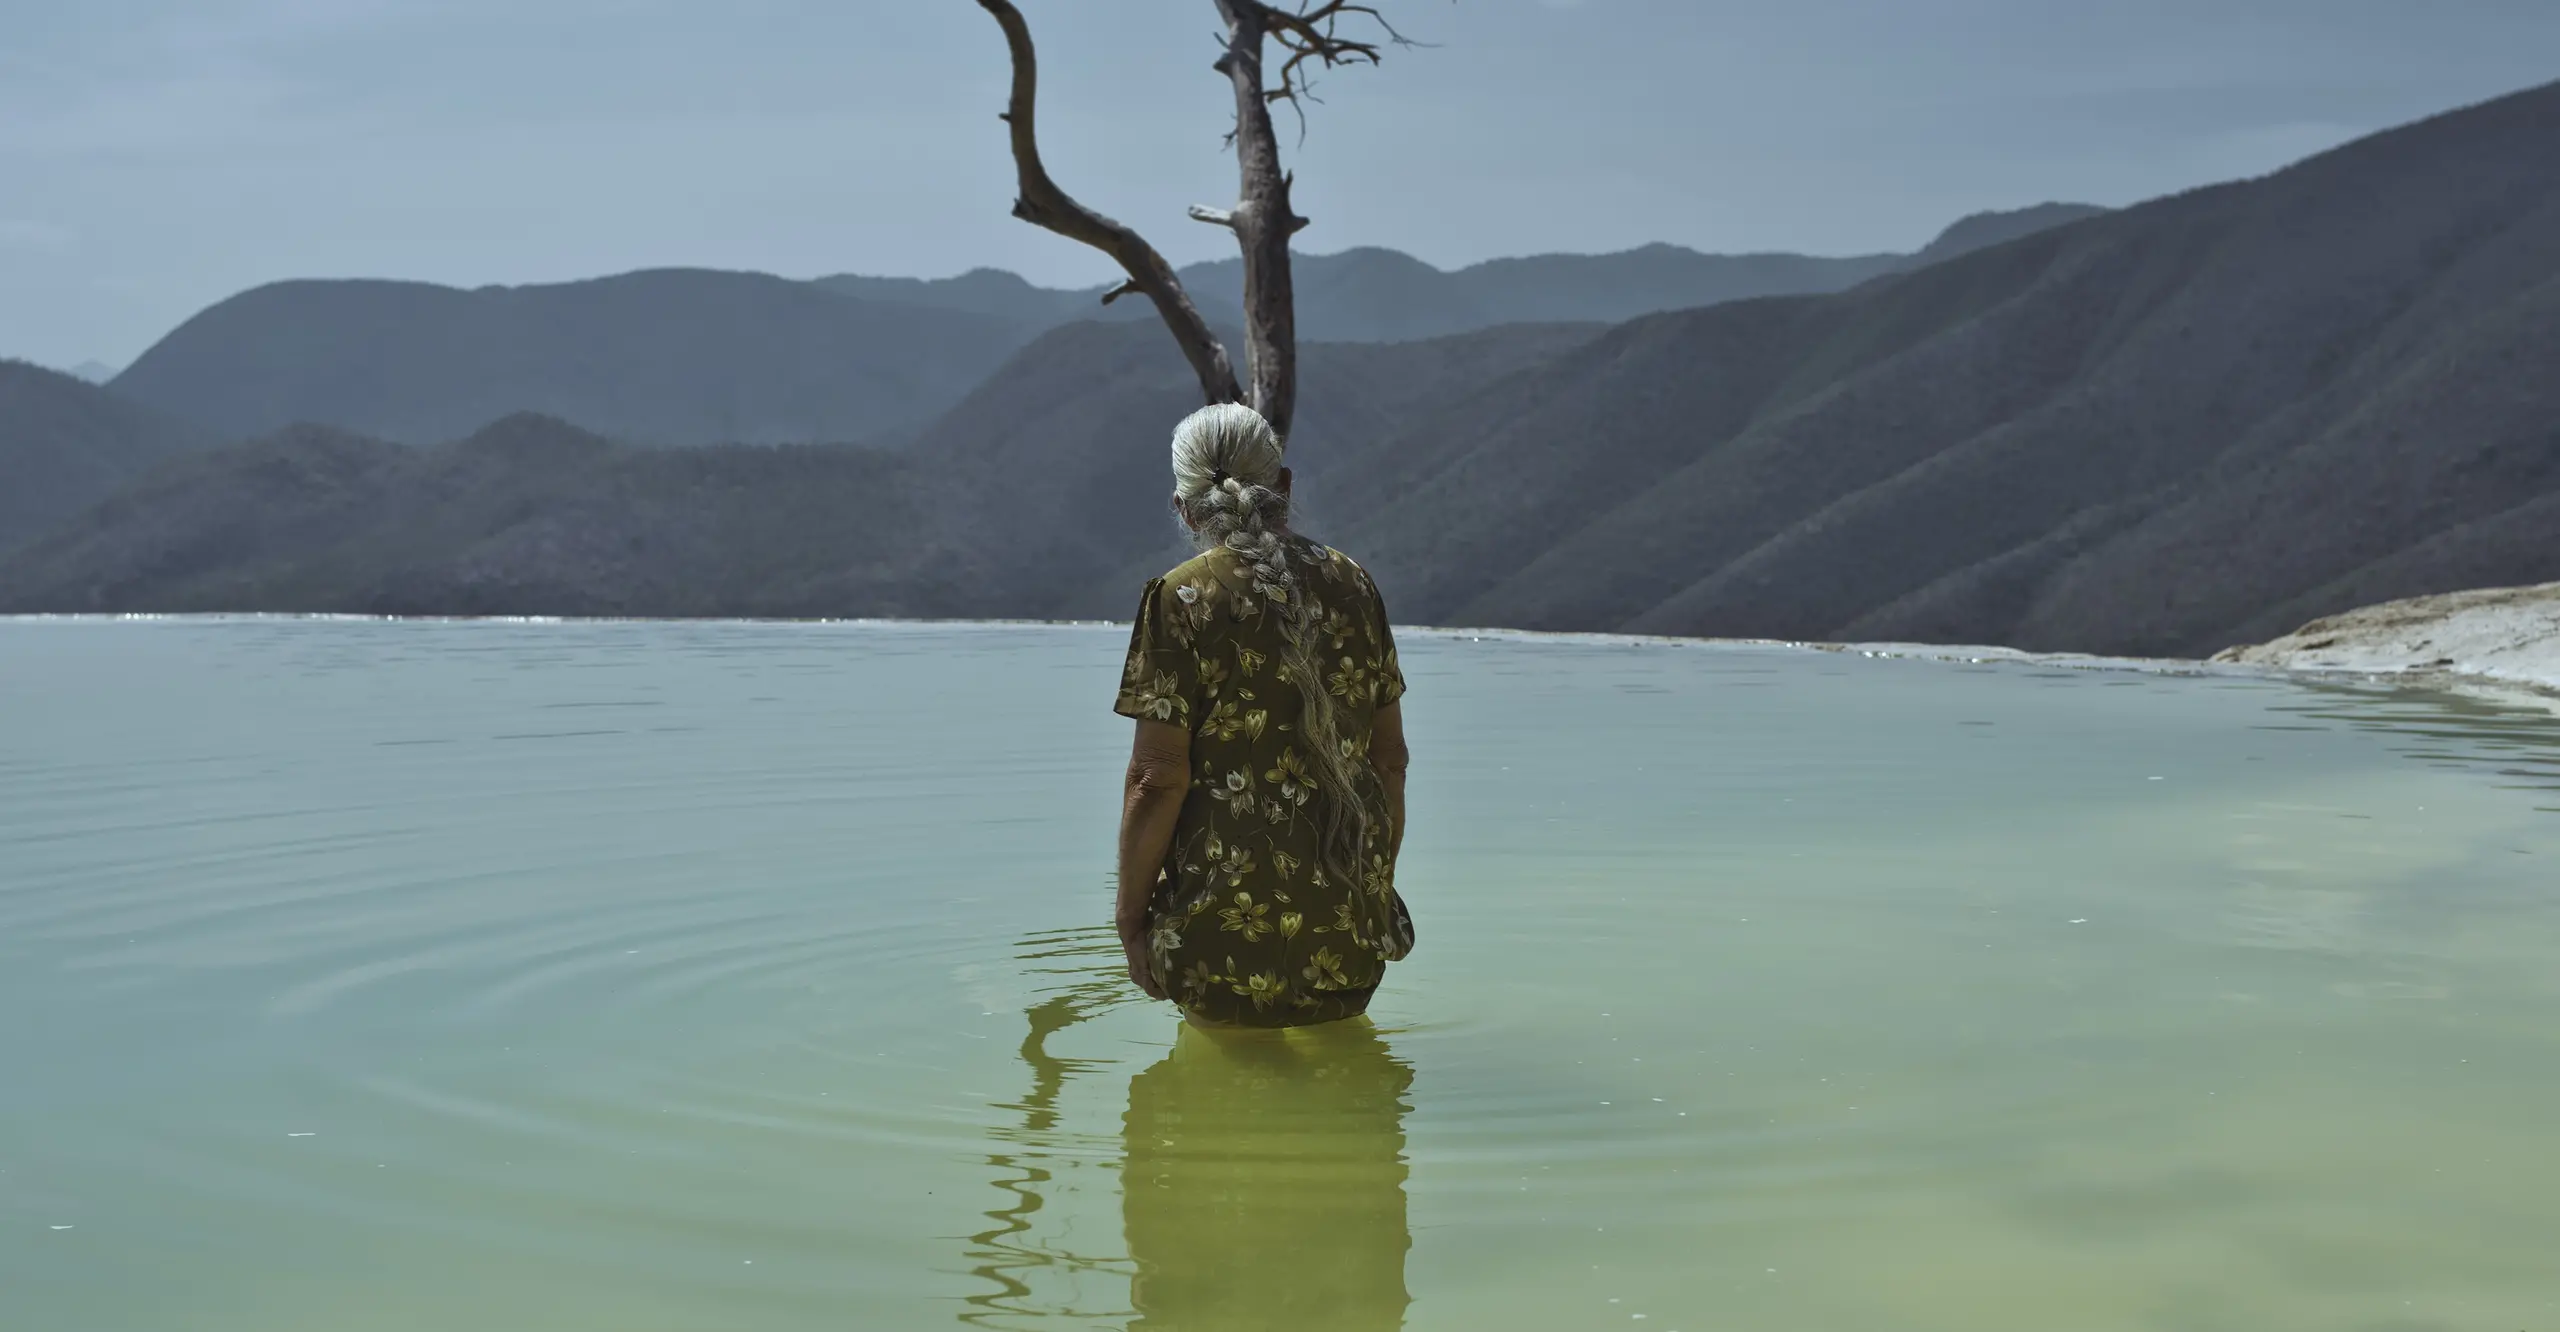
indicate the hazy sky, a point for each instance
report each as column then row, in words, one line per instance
column 157, row 155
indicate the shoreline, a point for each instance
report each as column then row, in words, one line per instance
column 2501, row 644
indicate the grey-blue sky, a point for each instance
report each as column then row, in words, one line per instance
column 157, row 155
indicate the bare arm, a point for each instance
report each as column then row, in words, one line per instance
column 1151, row 805
column 1389, row 758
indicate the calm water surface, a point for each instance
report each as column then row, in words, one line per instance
column 641, row 976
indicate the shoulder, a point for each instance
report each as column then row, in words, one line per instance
column 1201, row 570
column 1194, row 586
column 1344, row 569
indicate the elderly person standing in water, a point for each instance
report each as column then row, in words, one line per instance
column 1265, row 800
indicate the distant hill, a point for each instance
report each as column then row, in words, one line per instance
column 2166, row 429
column 65, row 444
column 672, row 356
column 689, row 356
column 1981, row 231
column 534, row 516
column 980, row 291
column 95, row 372
column 1379, row 295
column 528, row 516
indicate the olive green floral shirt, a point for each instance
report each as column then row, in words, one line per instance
column 1244, row 924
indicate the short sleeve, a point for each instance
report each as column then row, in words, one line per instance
column 1390, row 671
column 1161, row 677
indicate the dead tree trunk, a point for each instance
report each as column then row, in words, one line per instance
column 1261, row 218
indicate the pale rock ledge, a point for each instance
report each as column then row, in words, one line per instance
column 2503, row 635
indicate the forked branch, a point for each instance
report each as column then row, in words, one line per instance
column 1039, row 201
column 1313, row 34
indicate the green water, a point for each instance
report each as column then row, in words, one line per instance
column 641, row 976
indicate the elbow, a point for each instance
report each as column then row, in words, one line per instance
column 1155, row 782
column 1390, row 760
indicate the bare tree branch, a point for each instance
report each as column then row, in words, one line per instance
column 1313, row 33
column 1216, row 217
column 1039, row 201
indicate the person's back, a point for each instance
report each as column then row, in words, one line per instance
column 1266, row 788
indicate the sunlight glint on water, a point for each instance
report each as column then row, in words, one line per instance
column 427, row 975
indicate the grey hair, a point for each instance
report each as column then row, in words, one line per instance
column 1226, row 476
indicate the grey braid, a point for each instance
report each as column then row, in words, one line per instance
column 1226, row 465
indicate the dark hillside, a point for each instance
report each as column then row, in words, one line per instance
column 1037, row 487
column 65, row 444
column 2161, row 430
column 530, row 517
column 1062, row 451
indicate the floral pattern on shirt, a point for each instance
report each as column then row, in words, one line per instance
column 1244, row 926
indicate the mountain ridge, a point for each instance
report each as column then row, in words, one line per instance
column 2163, row 430
column 682, row 356
column 655, row 356
column 1340, row 293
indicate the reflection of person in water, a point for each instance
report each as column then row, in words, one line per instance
column 1263, row 1185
